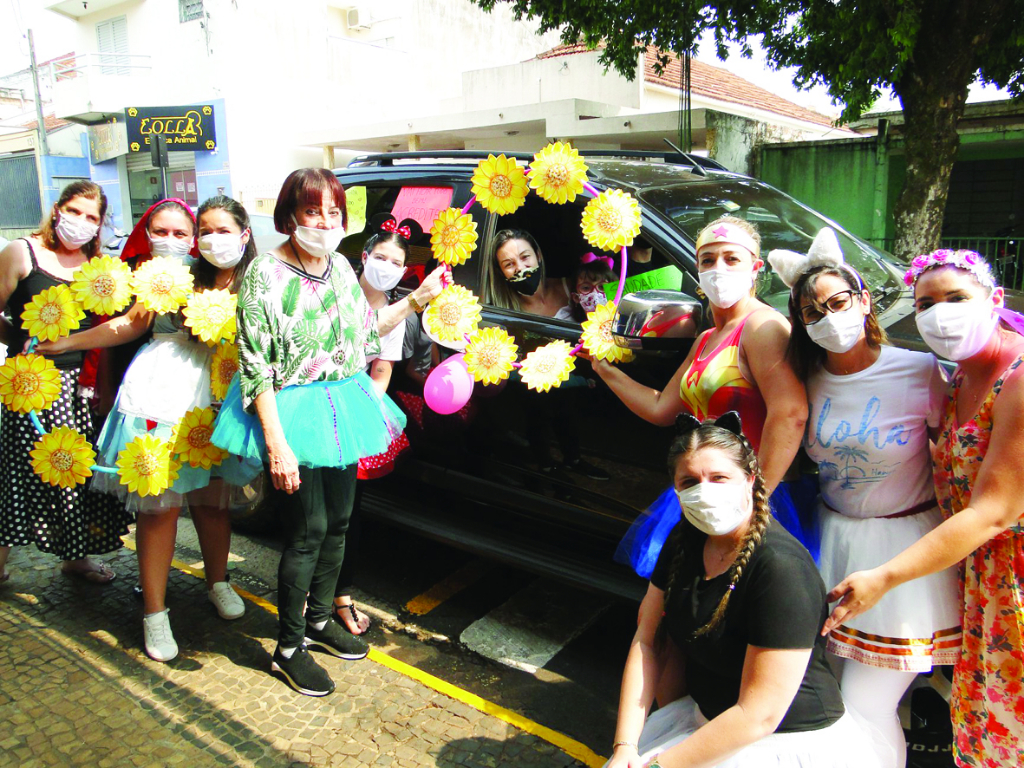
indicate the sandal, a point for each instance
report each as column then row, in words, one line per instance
column 339, row 612
column 94, row 572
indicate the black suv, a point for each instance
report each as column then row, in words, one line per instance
column 473, row 479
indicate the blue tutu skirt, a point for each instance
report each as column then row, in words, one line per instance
column 326, row 423
column 792, row 505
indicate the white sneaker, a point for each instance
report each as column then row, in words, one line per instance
column 229, row 604
column 160, row 643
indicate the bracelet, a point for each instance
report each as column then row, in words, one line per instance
column 618, row 744
column 415, row 305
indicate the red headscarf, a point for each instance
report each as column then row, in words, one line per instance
column 137, row 243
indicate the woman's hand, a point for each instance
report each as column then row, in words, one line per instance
column 49, row 348
column 431, row 286
column 857, row 593
column 284, row 469
column 625, row 756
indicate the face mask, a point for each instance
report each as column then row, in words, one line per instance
column 725, row 287
column 837, row 331
column 75, row 231
column 957, row 331
column 591, row 300
column 715, row 508
column 318, row 242
column 223, row 250
column 381, row 274
column 175, row 247
column 526, row 282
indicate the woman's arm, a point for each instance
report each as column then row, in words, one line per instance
column 118, row 330
column 660, row 408
column 771, row 679
column 785, row 397
column 284, row 468
column 15, row 266
column 995, row 506
column 390, row 316
column 380, row 373
column 639, row 681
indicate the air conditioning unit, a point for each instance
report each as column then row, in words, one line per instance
column 359, row 18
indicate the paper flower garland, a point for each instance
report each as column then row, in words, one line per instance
column 597, row 336
column 103, row 285
column 146, row 466
column 558, row 173
column 547, row 366
column 162, row 284
column 223, row 367
column 29, row 383
column 611, row 220
column 490, row 354
column 191, row 439
column 62, row 457
column 211, row 316
column 52, row 313
column 453, row 314
column 453, row 237
column 499, row 184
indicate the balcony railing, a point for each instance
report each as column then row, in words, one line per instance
column 1005, row 254
column 108, row 64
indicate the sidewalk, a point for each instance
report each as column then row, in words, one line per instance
column 76, row 688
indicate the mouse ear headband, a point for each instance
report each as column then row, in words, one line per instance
column 824, row 252
column 385, row 222
column 729, row 421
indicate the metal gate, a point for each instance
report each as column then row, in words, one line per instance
column 19, row 192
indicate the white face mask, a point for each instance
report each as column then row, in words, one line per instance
column 591, row 300
column 222, row 249
column 75, row 231
column 175, row 247
column 958, row 330
column 716, row 508
column 318, row 242
column 837, row 331
column 382, row 274
column 725, row 287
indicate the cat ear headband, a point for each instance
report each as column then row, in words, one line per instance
column 730, row 422
column 824, row 251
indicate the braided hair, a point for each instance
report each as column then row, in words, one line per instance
column 738, row 448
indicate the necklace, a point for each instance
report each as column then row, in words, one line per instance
column 323, row 306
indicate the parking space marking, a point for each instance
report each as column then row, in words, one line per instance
column 534, row 624
column 448, row 587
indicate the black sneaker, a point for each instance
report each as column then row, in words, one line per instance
column 587, row 469
column 335, row 640
column 302, row 673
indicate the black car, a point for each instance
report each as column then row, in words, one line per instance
column 473, row 479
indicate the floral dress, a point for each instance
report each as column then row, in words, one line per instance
column 988, row 697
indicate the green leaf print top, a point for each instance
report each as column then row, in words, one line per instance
column 294, row 328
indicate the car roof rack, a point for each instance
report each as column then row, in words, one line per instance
column 673, row 158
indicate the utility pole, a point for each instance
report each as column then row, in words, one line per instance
column 41, row 128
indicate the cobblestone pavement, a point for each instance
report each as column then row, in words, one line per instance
column 76, row 688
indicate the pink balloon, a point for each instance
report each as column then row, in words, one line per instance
column 449, row 386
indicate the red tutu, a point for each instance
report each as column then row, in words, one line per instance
column 382, row 464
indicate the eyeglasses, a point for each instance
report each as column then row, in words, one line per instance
column 837, row 302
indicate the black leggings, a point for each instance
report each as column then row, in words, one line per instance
column 315, row 519
column 347, row 576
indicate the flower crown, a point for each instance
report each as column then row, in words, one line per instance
column 969, row 261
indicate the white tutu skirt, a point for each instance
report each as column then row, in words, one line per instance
column 844, row 744
column 914, row 626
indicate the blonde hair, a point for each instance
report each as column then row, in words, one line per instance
column 739, row 223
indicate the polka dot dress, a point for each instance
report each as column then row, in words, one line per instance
column 68, row 522
column 382, row 463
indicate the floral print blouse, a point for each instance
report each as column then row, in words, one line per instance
column 294, row 328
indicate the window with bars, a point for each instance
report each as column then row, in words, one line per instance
column 190, row 10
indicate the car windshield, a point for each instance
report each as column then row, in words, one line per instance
column 782, row 222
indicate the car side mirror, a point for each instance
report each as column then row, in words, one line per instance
column 657, row 320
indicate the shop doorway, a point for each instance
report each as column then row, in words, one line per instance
column 146, row 184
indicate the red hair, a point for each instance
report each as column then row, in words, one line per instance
column 306, row 186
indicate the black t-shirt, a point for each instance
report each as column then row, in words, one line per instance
column 779, row 602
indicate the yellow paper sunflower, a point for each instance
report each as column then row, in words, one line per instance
column 558, row 173
column 191, row 439
column 597, row 336
column 63, row 457
column 547, row 366
column 611, row 220
column 499, row 184
column 453, row 237
column 147, row 466
column 211, row 316
column 52, row 313
column 29, row 383
column 103, row 285
column 223, row 367
column 490, row 354
column 453, row 314
column 162, row 284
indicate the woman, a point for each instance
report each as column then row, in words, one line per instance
column 730, row 376
column 71, row 523
column 743, row 603
column 304, row 331
column 978, row 463
column 167, row 378
column 520, row 281
column 872, row 410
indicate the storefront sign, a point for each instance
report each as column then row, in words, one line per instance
column 668, row 278
column 107, row 140
column 185, row 128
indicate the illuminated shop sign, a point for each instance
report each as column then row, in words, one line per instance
column 184, row 128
